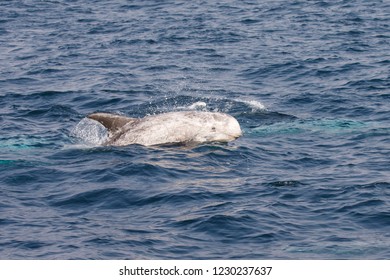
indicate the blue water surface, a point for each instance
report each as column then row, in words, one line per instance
column 307, row 80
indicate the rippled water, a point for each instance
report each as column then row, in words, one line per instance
column 307, row 80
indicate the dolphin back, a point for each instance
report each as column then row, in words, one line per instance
column 179, row 128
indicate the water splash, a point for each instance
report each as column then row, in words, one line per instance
column 89, row 132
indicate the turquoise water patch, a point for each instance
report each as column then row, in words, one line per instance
column 6, row 162
column 22, row 143
column 304, row 126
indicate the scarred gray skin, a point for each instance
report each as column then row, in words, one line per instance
column 186, row 127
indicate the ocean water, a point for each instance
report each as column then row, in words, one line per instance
column 307, row 80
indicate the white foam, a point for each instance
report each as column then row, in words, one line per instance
column 254, row 104
column 197, row 105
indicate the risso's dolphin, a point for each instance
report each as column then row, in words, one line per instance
column 177, row 128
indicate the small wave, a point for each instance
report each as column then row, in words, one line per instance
column 184, row 102
column 254, row 104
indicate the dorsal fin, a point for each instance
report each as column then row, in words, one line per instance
column 110, row 121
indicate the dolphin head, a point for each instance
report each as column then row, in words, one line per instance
column 221, row 128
